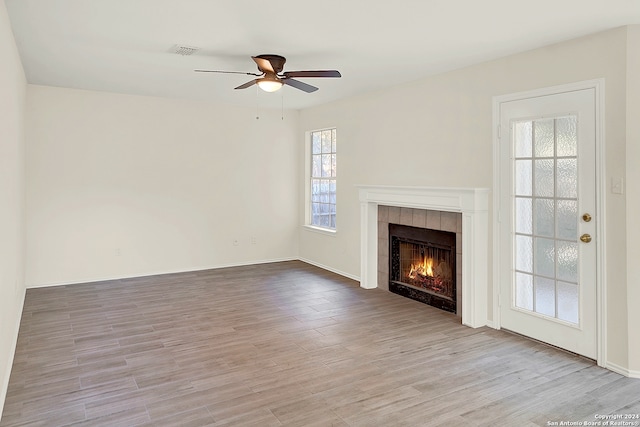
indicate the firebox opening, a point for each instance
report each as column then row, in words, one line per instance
column 422, row 265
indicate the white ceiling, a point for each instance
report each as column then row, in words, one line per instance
column 125, row 46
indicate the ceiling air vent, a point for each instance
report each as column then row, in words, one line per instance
column 185, row 50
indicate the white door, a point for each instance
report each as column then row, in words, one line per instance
column 547, row 219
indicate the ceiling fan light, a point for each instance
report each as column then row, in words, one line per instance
column 269, row 85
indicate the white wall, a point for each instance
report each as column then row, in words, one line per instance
column 12, row 101
column 121, row 186
column 437, row 132
column 633, row 195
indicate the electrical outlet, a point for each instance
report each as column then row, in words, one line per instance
column 254, row 240
column 236, row 242
column 118, row 252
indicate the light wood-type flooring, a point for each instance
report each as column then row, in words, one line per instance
column 284, row 344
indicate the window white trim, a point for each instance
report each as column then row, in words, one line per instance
column 314, row 229
column 307, row 185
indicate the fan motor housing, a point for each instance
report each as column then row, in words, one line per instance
column 277, row 62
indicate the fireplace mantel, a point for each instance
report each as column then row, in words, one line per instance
column 473, row 203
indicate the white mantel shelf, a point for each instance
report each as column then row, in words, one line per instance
column 473, row 203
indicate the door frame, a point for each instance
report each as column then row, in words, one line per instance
column 601, row 285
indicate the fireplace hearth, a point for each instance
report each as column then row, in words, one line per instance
column 422, row 265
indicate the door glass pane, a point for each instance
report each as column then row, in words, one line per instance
column 543, row 182
column 523, row 215
column 544, row 257
column 523, row 139
column 566, row 219
column 545, row 299
column 543, row 137
column 523, row 178
column 524, row 291
column 567, row 137
column 567, row 177
column 546, row 217
column 567, row 296
column 567, row 261
column 524, row 253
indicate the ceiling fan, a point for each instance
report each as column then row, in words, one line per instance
column 271, row 78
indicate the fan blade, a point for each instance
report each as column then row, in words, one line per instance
column 263, row 64
column 319, row 73
column 227, row 72
column 247, row 84
column 299, row 85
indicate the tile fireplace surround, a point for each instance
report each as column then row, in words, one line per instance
column 472, row 203
column 420, row 218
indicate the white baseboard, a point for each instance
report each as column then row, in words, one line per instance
column 622, row 370
column 333, row 270
column 5, row 385
column 158, row 273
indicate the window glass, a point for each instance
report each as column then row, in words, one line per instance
column 323, row 179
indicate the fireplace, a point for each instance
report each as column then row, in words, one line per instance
column 422, row 265
column 408, row 205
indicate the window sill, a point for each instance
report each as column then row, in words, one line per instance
column 319, row 230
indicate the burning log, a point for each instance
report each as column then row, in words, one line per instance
column 436, row 278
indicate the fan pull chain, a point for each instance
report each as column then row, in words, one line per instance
column 257, row 111
column 282, row 104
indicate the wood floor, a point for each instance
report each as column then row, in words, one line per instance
column 284, row 344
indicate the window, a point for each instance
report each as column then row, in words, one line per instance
column 323, row 179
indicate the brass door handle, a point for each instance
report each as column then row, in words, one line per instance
column 586, row 238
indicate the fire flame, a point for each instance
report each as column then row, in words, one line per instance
column 423, row 269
